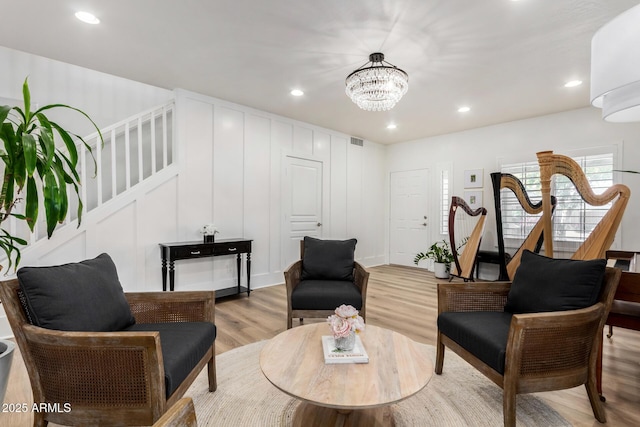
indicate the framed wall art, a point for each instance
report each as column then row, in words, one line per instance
column 473, row 199
column 473, row 178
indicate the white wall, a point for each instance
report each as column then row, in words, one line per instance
column 227, row 171
column 231, row 167
column 106, row 98
column 483, row 148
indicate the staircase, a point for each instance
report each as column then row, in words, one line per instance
column 136, row 150
column 137, row 158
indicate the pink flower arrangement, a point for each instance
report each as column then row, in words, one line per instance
column 345, row 320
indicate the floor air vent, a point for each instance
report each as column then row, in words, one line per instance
column 357, row 141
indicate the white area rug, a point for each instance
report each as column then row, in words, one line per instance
column 459, row 397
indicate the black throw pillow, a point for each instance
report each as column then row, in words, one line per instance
column 84, row 296
column 328, row 259
column 544, row 284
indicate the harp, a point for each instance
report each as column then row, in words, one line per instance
column 533, row 241
column 465, row 234
column 603, row 234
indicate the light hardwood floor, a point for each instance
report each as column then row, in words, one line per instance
column 402, row 299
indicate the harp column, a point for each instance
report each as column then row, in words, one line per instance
column 545, row 160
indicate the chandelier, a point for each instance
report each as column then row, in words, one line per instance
column 377, row 87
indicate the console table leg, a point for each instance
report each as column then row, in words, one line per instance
column 238, row 265
column 248, row 273
column 172, row 275
column 164, row 274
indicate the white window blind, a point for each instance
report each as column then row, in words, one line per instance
column 444, row 202
column 574, row 219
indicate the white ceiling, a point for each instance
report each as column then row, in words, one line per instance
column 506, row 59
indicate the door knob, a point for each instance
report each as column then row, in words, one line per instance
column 425, row 224
column 319, row 224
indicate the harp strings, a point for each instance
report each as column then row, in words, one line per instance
column 519, row 222
column 464, row 225
column 465, row 233
column 601, row 236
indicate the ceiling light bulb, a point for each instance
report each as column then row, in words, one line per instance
column 392, row 126
column 297, row 92
column 464, row 109
column 573, row 83
column 87, row 17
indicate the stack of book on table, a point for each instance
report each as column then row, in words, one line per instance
column 333, row 355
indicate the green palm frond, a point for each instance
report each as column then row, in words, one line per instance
column 37, row 169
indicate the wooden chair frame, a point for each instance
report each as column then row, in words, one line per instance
column 182, row 414
column 292, row 276
column 535, row 342
column 108, row 378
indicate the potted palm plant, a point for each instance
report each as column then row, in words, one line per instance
column 39, row 161
column 442, row 258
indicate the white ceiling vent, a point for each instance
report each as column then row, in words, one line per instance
column 357, row 141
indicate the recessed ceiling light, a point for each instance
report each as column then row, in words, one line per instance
column 297, row 92
column 464, row 109
column 573, row 83
column 392, row 126
column 87, row 17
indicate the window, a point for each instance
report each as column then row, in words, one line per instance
column 573, row 219
column 444, row 201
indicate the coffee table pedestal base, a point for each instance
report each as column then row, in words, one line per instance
column 310, row 415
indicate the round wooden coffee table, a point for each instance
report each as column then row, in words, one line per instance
column 398, row 367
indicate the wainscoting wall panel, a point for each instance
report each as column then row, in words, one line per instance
column 257, row 184
column 227, row 171
column 321, row 144
column 117, row 235
column 249, row 147
column 355, row 169
column 302, row 140
column 339, row 186
column 71, row 250
column 160, row 203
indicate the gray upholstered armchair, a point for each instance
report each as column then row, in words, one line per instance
column 539, row 333
column 326, row 277
column 104, row 356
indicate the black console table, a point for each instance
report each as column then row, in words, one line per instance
column 171, row 252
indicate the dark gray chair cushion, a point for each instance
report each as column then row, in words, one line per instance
column 325, row 294
column 482, row 333
column 328, row 259
column 183, row 345
column 544, row 284
column 84, row 296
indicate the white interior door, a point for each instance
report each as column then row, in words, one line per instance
column 302, row 204
column 409, row 220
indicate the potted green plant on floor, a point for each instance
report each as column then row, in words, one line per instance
column 39, row 161
column 442, row 258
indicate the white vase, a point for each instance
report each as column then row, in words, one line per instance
column 440, row 269
column 6, row 355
